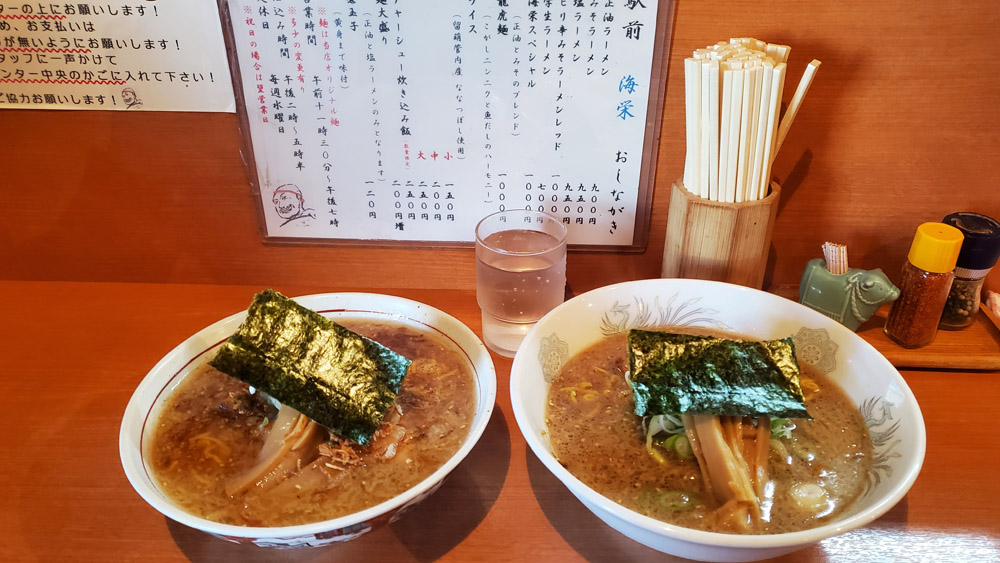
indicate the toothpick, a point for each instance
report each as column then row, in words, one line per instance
column 835, row 255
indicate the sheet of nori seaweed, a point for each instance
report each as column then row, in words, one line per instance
column 334, row 376
column 686, row 374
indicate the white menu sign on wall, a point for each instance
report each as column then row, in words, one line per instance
column 407, row 121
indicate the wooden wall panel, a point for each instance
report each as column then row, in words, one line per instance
column 900, row 127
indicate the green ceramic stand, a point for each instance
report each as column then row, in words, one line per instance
column 851, row 298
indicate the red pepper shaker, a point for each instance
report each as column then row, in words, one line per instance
column 923, row 290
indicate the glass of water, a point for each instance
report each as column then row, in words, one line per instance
column 520, row 274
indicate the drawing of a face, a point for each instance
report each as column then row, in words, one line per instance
column 128, row 96
column 287, row 201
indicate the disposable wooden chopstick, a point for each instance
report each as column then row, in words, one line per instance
column 793, row 106
column 746, row 122
column 735, row 115
column 777, row 85
column 692, row 96
column 764, row 120
column 781, row 53
column 724, row 131
column 733, row 94
column 751, row 187
column 704, row 166
column 713, row 130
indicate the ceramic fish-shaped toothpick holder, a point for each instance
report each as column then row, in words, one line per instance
column 850, row 298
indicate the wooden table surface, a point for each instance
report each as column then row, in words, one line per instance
column 72, row 353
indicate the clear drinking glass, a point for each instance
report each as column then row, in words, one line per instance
column 520, row 274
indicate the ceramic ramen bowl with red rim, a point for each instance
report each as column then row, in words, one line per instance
column 869, row 380
column 143, row 409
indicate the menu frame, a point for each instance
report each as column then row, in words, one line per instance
column 647, row 171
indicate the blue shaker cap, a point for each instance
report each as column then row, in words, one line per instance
column 981, row 247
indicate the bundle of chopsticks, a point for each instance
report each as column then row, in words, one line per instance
column 732, row 101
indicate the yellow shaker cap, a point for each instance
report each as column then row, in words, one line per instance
column 935, row 247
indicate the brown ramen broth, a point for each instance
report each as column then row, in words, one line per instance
column 597, row 437
column 212, row 429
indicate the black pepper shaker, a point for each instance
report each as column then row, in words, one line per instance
column 927, row 276
column 979, row 253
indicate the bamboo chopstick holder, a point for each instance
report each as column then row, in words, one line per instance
column 722, row 209
column 712, row 240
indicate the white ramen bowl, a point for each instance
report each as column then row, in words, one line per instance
column 143, row 410
column 879, row 391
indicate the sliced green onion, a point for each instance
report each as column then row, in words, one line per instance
column 679, row 500
column 676, row 441
column 674, row 501
column 782, row 427
column 682, row 447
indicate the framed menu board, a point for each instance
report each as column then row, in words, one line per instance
column 405, row 122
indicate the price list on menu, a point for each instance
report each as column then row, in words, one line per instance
column 407, row 122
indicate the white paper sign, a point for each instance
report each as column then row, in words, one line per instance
column 402, row 120
column 138, row 55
